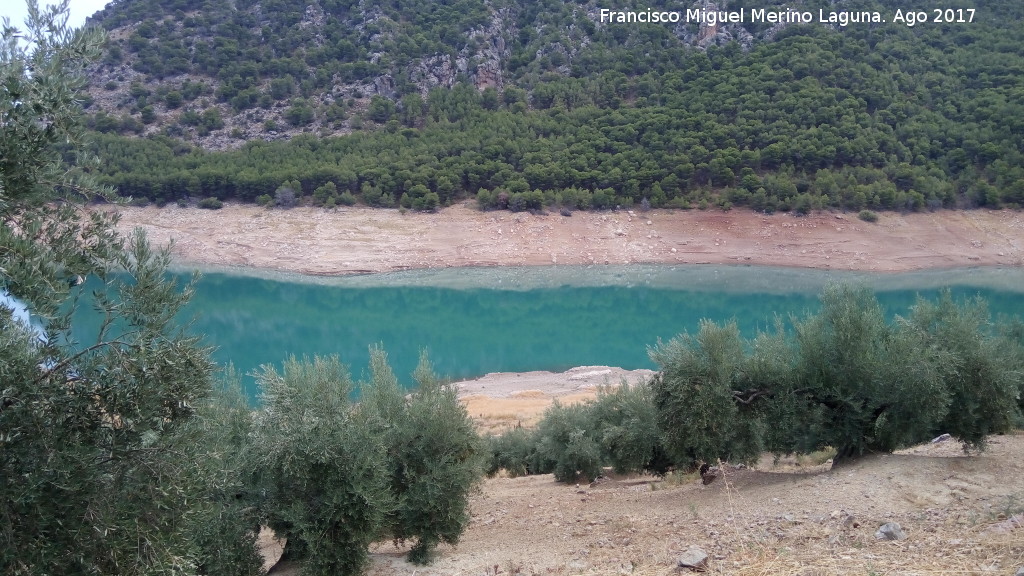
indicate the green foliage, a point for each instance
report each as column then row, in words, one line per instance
column 567, row 444
column 868, row 216
column 347, row 199
column 842, row 380
column 847, row 379
column 94, row 480
column 222, row 520
column 300, row 113
column 173, row 100
column 433, row 455
column 512, row 451
column 619, row 429
column 872, row 387
column 324, row 470
column 39, row 219
column 985, row 368
column 627, row 421
column 338, row 476
column 694, row 394
column 617, row 112
column 323, row 193
column 211, row 119
column 381, row 109
column 211, row 204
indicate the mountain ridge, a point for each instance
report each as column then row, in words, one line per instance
column 531, row 105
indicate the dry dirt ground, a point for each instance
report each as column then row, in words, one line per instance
column 962, row 513
column 503, row 400
column 957, row 511
column 361, row 240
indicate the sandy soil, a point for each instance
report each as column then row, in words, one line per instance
column 361, row 240
column 503, row 400
column 962, row 514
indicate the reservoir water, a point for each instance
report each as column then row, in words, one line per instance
column 475, row 321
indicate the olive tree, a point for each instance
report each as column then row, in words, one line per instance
column 984, row 371
column 94, row 480
column 434, row 455
column 323, row 467
column 847, row 378
column 702, row 409
column 871, row 386
column 224, row 519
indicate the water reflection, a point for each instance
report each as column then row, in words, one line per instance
column 475, row 321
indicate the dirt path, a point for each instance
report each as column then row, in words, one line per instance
column 362, row 240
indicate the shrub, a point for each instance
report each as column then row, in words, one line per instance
column 871, row 387
column 264, row 200
column 985, row 370
column 324, row 471
column 224, row 518
column 323, row 192
column 486, row 200
column 847, row 379
column 626, row 421
column 285, row 197
column 512, row 451
column 211, row 204
column 80, row 495
column 696, row 407
column 299, row 114
column 566, row 444
column 433, row 455
column 428, row 203
column 868, row 216
column 347, row 199
column 174, row 100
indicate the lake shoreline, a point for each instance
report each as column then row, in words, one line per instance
column 363, row 246
column 362, row 241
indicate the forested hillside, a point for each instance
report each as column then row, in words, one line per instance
column 525, row 105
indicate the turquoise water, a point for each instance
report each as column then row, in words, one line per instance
column 477, row 321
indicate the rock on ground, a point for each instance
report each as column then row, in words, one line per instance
column 890, row 531
column 694, row 558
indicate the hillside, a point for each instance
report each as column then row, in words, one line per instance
column 962, row 514
column 541, row 104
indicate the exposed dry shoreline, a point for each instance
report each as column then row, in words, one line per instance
column 364, row 240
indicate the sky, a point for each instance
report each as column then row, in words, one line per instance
column 16, row 10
